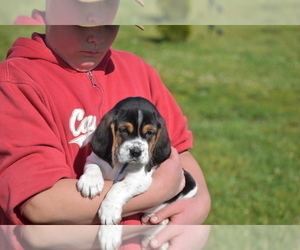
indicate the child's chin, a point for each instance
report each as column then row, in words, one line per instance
column 85, row 67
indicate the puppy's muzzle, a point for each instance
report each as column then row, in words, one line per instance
column 135, row 152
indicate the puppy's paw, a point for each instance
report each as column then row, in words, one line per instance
column 90, row 184
column 164, row 222
column 110, row 237
column 110, row 213
column 146, row 218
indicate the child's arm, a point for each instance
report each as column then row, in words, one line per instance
column 63, row 204
column 191, row 210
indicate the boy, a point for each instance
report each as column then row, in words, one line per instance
column 54, row 89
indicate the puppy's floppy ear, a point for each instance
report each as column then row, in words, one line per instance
column 103, row 138
column 162, row 148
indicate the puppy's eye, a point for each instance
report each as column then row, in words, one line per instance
column 124, row 132
column 149, row 134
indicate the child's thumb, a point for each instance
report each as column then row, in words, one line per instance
column 163, row 214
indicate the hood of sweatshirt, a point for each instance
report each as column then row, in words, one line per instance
column 37, row 18
column 36, row 49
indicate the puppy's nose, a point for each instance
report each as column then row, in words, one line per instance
column 135, row 152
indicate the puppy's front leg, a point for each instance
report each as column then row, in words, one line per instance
column 110, row 237
column 91, row 182
column 111, row 208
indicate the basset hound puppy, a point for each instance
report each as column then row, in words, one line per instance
column 128, row 144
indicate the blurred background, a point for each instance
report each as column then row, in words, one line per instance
column 239, row 88
column 193, row 12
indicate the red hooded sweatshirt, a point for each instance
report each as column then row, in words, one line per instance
column 48, row 110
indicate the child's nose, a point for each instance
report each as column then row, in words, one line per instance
column 95, row 37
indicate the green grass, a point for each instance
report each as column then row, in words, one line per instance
column 253, row 237
column 241, row 94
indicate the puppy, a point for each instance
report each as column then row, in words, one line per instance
column 130, row 141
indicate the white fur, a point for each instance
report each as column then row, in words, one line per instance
column 110, row 237
column 111, row 208
column 133, row 181
column 124, row 155
column 91, row 182
column 97, row 170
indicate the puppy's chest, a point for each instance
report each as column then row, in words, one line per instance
column 132, row 172
column 110, row 173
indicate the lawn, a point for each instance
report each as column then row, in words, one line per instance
column 240, row 90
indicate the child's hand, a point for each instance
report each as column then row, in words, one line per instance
column 178, row 237
column 182, row 212
column 187, row 211
column 169, row 175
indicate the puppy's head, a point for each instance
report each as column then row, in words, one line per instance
column 132, row 132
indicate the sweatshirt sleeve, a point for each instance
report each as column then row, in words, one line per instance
column 31, row 155
column 181, row 137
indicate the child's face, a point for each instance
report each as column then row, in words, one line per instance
column 83, row 48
